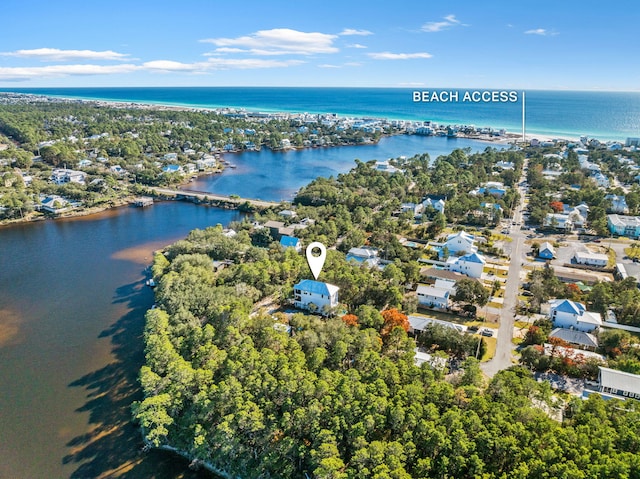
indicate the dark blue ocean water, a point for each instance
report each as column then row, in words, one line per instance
column 605, row 115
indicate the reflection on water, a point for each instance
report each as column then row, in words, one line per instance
column 72, row 303
column 9, row 327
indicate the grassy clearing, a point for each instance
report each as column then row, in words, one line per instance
column 491, row 349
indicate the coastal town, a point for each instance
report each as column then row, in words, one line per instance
column 498, row 274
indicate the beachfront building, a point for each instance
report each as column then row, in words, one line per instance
column 624, row 225
column 437, row 295
column 61, row 176
column 471, row 264
column 619, row 383
column 54, row 204
column 591, row 259
column 315, row 296
column 568, row 314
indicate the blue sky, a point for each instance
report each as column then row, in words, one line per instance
column 579, row 45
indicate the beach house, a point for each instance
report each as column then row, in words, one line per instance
column 437, row 295
column 315, row 296
column 624, row 225
column 460, row 242
column 568, row 314
column 61, row 176
column 471, row 264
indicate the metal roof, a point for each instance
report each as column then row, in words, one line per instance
column 619, row 380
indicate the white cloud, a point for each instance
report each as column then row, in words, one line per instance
column 27, row 73
column 356, row 45
column 248, row 63
column 172, row 66
column 57, row 55
column 327, row 65
column 352, row 31
column 278, row 41
column 448, row 22
column 540, row 31
column 398, row 56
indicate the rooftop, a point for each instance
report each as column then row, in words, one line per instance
column 620, row 380
column 316, row 287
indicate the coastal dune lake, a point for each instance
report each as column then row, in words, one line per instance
column 72, row 304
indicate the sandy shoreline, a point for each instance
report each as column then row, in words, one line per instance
column 510, row 137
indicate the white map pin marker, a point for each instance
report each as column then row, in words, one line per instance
column 316, row 262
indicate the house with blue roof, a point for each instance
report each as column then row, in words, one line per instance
column 291, row 242
column 470, row 264
column 315, row 296
column 568, row 314
column 172, row 169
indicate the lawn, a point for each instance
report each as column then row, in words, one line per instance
column 491, row 349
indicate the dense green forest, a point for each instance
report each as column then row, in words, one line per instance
column 338, row 398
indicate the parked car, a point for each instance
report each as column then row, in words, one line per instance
column 487, row 332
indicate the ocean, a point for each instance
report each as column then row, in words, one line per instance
column 564, row 114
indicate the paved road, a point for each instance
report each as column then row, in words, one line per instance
column 503, row 358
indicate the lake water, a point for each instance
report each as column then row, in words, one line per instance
column 72, row 303
column 277, row 175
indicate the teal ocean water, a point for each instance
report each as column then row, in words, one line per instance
column 604, row 115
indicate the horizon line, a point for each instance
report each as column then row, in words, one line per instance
column 593, row 90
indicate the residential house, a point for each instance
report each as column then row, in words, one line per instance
column 364, row 255
column 415, row 209
column 61, row 176
column 54, row 204
column 471, row 264
column 288, row 214
column 591, row 259
column 568, row 314
column 546, row 251
column 505, row 165
column 291, row 242
column 493, row 188
column 435, row 203
column 624, row 225
column 461, row 242
column 278, row 229
column 618, row 204
column 601, row 180
column 315, row 295
column 619, row 383
column 118, row 170
column 558, row 221
column 386, row 166
column 493, row 209
column 436, row 296
column 418, row 324
column 576, row 338
column 172, row 169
